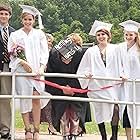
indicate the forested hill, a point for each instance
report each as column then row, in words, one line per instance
column 61, row 17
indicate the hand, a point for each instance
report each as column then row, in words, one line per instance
column 89, row 75
column 26, row 66
column 124, row 78
column 68, row 91
column 14, row 46
column 41, row 70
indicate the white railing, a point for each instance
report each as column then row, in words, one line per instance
column 13, row 96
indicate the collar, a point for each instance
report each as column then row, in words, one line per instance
column 1, row 27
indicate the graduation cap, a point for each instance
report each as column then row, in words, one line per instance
column 130, row 25
column 67, row 48
column 33, row 11
column 99, row 25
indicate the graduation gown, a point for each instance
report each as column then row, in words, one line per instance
column 55, row 65
column 92, row 63
column 36, row 52
column 130, row 60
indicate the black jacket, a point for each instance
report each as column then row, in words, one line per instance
column 11, row 29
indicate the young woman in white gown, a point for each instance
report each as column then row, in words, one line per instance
column 129, row 52
column 33, row 42
column 101, row 60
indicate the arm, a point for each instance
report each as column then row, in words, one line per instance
column 85, row 69
column 121, row 63
column 44, row 53
column 11, row 45
column 15, row 60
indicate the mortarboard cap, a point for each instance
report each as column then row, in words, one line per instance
column 33, row 11
column 130, row 25
column 99, row 25
column 67, row 48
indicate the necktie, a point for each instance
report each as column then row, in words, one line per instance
column 5, row 41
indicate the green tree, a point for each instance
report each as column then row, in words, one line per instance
column 61, row 17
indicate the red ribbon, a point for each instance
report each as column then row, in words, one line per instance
column 76, row 90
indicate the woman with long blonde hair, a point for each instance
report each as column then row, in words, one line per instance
column 129, row 52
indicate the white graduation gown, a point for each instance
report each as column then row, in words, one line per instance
column 36, row 51
column 92, row 63
column 130, row 60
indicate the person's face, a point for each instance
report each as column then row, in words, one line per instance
column 28, row 21
column 49, row 43
column 129, row 36
column 4, row 17
column 101, row 37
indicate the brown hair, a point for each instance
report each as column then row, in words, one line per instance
column 107, row 33
column 26, row 14
column 6, row 8
column 76, row 38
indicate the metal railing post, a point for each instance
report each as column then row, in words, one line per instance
column 134, row 135
column 13, row 108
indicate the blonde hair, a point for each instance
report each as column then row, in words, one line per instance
column 138, row 40
column 76, row 38
column 49, row 36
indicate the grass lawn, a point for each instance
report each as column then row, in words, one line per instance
column 91, row 127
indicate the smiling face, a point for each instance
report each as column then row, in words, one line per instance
column 130, row 37
column 4, row 17
column 102, row 37
column 28, row 20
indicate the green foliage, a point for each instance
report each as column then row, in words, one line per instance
column 62, row 17
column 15, row 19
